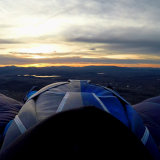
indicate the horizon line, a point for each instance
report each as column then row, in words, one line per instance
column 81, row 66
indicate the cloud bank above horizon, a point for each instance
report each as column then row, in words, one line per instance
column 99, row 32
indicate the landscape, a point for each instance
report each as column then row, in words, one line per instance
column 134, row 84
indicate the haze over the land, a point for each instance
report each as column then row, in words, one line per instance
column 134, row 84
column 78, row 33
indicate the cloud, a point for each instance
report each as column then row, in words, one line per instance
column 55, row 54
column 13, row 60
column 3, row 26
column 9, row 41
column 129, row 39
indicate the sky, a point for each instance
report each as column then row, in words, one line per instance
column 79, row 33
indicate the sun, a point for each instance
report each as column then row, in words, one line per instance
column 37, row 57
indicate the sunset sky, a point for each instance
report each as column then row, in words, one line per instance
column 79, row 33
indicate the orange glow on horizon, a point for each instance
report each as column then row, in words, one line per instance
column 83, row 65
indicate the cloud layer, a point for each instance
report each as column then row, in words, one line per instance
column 12, row 60
column 85, row 32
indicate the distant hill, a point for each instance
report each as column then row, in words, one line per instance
column 12, row 70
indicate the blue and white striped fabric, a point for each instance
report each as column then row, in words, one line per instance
column 111, row 102
column 59, row 97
